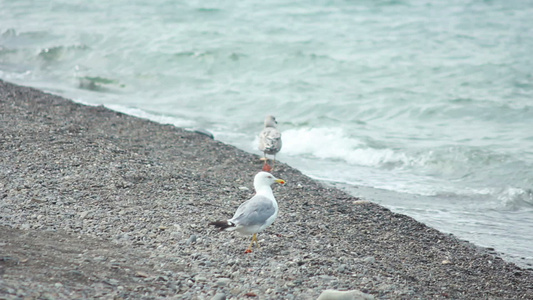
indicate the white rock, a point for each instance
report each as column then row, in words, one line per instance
column 344, row 295
column 219, row 296
column 369, row 259
column 83, row 215
column 223, row 281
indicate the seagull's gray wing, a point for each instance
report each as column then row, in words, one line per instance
column 270, row 140
column 255, row 211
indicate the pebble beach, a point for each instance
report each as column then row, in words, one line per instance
column 99, row 204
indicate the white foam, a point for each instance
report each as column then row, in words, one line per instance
column 162, row 119
column 335, row 144
column 516, row 198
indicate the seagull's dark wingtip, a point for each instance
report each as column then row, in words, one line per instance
column 222, row 225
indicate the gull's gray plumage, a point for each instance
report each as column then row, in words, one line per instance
column 257, row 213
column 254, row 215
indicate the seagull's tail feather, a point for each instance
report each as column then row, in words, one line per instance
column 223, row 225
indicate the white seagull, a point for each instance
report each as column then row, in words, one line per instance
column 269, row 141
column 257, row 213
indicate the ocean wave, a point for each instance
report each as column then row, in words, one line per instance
column 515, row 198
column 335, row 144
column 452, row 163
column 159, row 118
column 58, row 53
column 494, row 198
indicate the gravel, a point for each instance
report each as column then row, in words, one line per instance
column 95, row 203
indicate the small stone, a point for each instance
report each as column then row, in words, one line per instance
column 235, row 274
column 386, row 287
column 359, row 202
column 223, row 281
column 48, row 296
column 84, row 214
column 446, row 262
column 100, row 258
column 112, row 281
column 369, row 259
column 208, row 263
column 199, row 278
column 327, row 277
column 219, row 296
column 344, row 295
column 192, row 239
column 141, row 274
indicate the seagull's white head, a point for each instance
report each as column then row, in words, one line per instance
column 270, row 121
column 263, row 179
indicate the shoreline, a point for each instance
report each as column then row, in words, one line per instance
column 96, row 202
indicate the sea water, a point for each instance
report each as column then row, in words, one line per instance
column 425, row 107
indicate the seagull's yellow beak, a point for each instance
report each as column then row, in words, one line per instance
column 280, row 181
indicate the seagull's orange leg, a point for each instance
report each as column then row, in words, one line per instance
column 267, row 167
column 254, row 239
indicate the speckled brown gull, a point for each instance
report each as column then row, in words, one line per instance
column 270, row 140
column 256, row 214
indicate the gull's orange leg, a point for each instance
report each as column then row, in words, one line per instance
column 254, row 239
